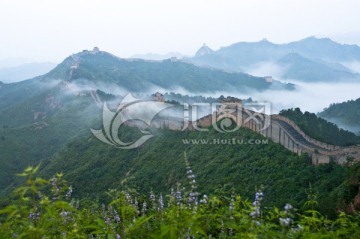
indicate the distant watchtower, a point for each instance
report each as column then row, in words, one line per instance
column 231, row 102
column 96, row 50
column 158, row 97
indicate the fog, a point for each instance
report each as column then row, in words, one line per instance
column 84, row 85
column 353, row 65
column 266, row 69
column 312, row 97
column 353, row 128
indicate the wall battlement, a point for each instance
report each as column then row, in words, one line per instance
column 281, row 130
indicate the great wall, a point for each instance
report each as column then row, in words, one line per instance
column 287, row 133
column 279, row 129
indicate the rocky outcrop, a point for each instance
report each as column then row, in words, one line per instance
column 204, row 50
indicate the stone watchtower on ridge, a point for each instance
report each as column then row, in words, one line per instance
column 231, row 102
column 158, row 97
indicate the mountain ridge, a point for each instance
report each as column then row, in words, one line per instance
column 345, row 114
column 323, row 52
column 24, row 71
column 137, row 74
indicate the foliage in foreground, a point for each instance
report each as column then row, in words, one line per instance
column 93, row 167
column 44, row 209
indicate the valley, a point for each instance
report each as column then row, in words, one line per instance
column 59, row 123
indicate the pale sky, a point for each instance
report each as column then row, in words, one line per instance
column 50, row 30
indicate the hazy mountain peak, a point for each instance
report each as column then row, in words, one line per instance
column 95, row 51
column 138, row 75
column 204, row 50
column 265, row 41
column 314, row 39
column 25, row 71
column 325, row 58
column 12, row 62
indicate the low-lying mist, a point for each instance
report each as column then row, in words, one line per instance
column 309, row 96
column 312, row 97
column 353, row 65
column 351, row 128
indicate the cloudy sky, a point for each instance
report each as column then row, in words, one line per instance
column 51, row 30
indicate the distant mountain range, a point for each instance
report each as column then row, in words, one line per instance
column 24, row 71
column 14, row 61
column 311, row 59
column 137, row 75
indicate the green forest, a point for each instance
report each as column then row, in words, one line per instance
column 46, row 208
column 320, row 129
column 93, row 167
column 346, row 114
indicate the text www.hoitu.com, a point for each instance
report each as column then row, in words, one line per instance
column 232, row 141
